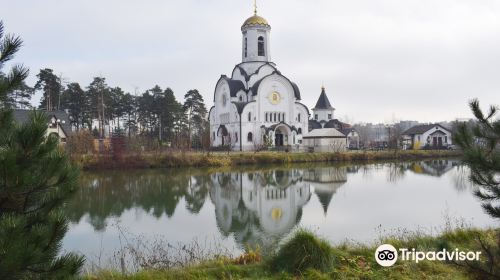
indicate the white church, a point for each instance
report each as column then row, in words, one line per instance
column 257, row 105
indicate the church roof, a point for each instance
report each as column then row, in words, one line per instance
column 255, row 20
column 314, row 124
column 234, row 85
column 324, row 133
column 256, row 85
column 323, row 102
column 335, row 123
column 241, row 105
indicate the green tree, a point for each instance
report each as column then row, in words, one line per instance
column 481, row 152
column 51, row 87
column 18, row 98
column 9, row 45
column 36, row 178
column 172, row 113
column 145, row 113
column 75, row 100
column 130, row 109
column 99, row 97
column 116, row 109
column 195, row 110
column 158, row 113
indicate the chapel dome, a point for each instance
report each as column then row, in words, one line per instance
column 255, row 20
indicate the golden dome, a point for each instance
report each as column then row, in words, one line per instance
column 255, row 20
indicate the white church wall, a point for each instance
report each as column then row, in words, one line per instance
column 263, row 71
column 276, row 83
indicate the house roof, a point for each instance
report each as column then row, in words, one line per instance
column 323, row 102
column 325, row 133
column 420, row 129
column 23, row 116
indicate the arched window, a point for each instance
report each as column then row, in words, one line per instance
column 249, row 116
column 298, row 117
column 260, row 46
column 299, row 131
column 241, row 98
column 236, row 136
column 246, row 47
column 250, row 137
column 266, row 117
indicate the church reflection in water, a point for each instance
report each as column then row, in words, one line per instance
column 326, row 181
column 257, row 207
column 262, row 207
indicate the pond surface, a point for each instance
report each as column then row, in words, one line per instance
column 260, row 206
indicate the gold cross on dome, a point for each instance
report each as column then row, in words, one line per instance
column 255, row 7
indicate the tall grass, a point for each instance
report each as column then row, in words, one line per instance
column 173, row 159
column 304, row 251
column 305, row 256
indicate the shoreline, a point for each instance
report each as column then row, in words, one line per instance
column 345, row 260
column 223, row 159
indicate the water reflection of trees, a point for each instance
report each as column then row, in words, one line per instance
column 109, row 194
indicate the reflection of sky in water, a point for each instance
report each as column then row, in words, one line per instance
column 259, row 207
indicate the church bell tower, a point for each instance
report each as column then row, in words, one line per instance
column 256, row 32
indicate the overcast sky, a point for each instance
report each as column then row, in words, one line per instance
column 380, row 60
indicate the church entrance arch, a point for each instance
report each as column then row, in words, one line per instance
column 223, row 134
column 281, row 135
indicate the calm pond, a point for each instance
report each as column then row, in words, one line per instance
column 259, row 206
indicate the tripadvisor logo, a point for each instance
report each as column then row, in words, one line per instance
column 386, row 255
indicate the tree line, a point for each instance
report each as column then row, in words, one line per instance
column 155, row 113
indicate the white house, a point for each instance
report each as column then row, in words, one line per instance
column 432, row 136
column 257, row 105
column 325, row 140
column 58, row 122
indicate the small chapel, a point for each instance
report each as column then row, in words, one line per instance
column 257, row 105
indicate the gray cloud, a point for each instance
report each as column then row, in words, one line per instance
column 380, row 60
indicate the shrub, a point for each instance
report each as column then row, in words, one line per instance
column 302, row 252
column 81, row 142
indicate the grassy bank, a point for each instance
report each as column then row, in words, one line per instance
column 219, row 159
column 305, row 256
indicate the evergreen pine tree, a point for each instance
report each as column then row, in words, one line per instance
column 35, row 180
column 481, row 147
